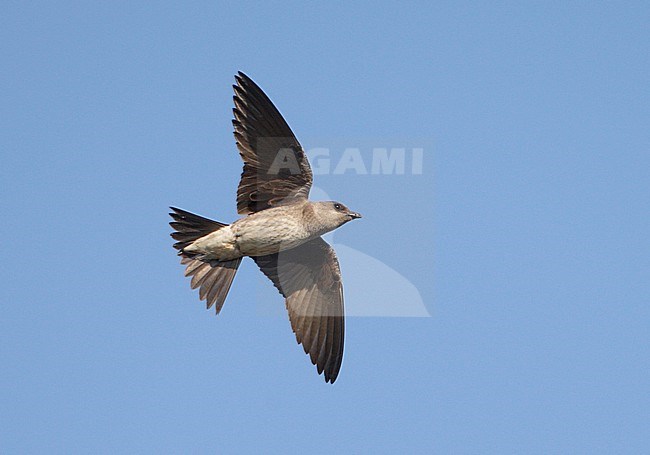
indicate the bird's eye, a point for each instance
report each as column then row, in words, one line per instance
column 337, row 206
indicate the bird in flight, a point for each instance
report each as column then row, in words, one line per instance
column 280, row 230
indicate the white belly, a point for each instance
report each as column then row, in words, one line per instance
column 219, row 245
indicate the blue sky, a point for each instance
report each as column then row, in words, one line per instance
column 525, row 236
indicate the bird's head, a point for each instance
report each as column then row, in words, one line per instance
column 332, row 214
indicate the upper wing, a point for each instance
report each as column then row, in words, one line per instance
column 309, row 278
column 276, row 169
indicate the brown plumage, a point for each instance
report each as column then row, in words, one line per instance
column 281, row 231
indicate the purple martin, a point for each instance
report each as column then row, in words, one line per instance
column 280, row 230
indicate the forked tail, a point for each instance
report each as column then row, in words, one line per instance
column 213, row 278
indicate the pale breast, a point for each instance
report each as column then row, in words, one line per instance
column 269, row 231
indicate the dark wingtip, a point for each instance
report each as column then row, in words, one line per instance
column 241, row 79
column 244, row 82
column 175, row 211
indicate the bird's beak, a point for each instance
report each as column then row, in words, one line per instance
column 354, row 215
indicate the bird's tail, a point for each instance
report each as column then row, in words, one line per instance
column 213, row 278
